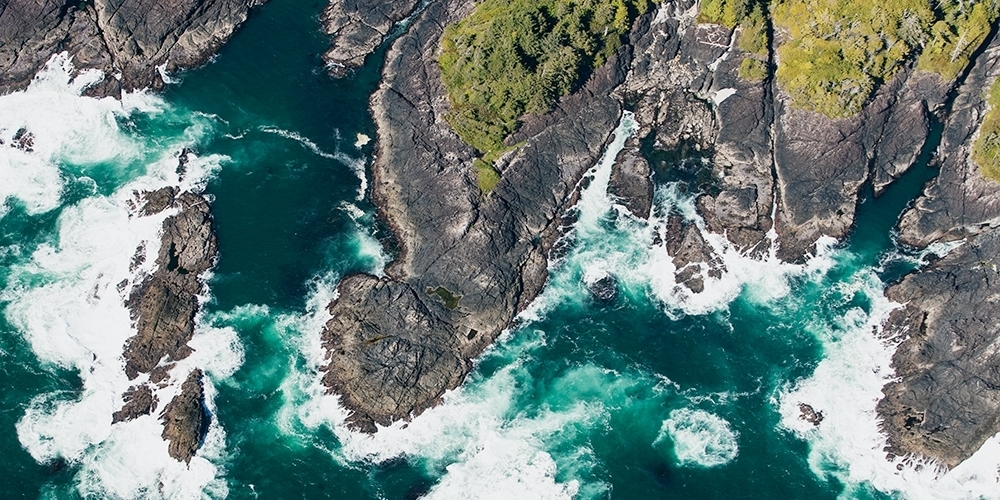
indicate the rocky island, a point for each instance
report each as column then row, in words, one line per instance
column 792, row 146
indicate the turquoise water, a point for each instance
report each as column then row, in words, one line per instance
column 658, row 394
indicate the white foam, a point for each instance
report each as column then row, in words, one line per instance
column 845, row 387
column 357, row 165
column 699, row 438
column 67, row 129
column 362, row 140
column 68, row 300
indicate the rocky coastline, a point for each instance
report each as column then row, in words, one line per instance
column 134, row 42
column 395, row 347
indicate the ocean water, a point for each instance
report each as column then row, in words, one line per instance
column 660, row 393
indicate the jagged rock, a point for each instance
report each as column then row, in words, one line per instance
column 960, row 201
column 358, row 27
column 164, row 305
column 23, row 140
column 393, row 348
column 693, row 258
column 129, row 38
column 186, row 419
column 809, row 414
column 947, row 401
column 604, row 289
column 630, row 181
column 139, row 401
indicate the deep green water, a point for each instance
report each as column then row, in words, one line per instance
column 658, row 394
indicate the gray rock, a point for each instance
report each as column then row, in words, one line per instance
column 358, row 27
column 630, row 183
column 186, row 419
column 947, row 400
column 164, row 304
column 604, row 289
column 960, row 201
column 126, row 37
column 395, row 349
column 139, row 401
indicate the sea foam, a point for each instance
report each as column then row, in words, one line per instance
column 68, row 298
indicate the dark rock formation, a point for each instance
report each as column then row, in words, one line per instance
column 960, row 201
column 186, row 420
column 164, row 305
column 126, row 37
column 358, row 27
column 163, row 308
column 630, row 181
column 947, row 401
column 809, row 414
column 693, row 257
column 139, row 401
column 394, row 349
column 604, row 289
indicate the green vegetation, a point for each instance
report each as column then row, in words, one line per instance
column 837, row 52
column 512, row 57
column 450, row 299
column 986, row 150
column 487, row 177
column 751, row 17
column 953, row 38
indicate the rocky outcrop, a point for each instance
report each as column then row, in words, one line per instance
column 127, row 39
column 139, row 401
column 946, row 402
column 630, row 181
column 164, row 305
column 185, row 419
column 960, row 201
column 358, row 27
column 469, row 261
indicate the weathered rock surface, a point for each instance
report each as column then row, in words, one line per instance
column 163, row 308
column 630, row 181
column 129, row 38
column 185, row 419
column 139, row 401
column 358, row 27
column 394, row 348
column 164, row 305
column 947, row 401
column 960, row 201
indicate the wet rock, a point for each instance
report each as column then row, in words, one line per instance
column 126, row 37
column 186, row 419
column 23, row 140
column 394, row 350
column 630, row 182
column 946, row 403
column 164, row 304
column 809, row 414
column 139, row 401
column 604, row 289
column 693, row 258
column 358, row 27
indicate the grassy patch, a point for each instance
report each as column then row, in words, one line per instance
column 512, row 57
column 751, row 17
column 450, row 299
column 487, row 177
column 986, row 150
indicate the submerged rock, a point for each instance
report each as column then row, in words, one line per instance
column 809, row 414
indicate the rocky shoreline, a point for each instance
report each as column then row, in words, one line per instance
column 135, row 43
column 394, row 348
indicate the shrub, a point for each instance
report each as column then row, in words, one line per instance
column 986, row 150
